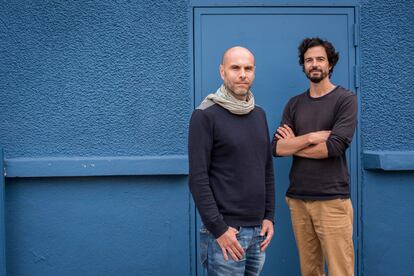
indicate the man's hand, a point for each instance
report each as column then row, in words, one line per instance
column 318, row 137
column 229, row 243
column 284, row 132
column 267, row 229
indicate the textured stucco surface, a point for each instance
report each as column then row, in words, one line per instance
column 387, row 120
column 387, row 69
column 80, row 78
column 94, row 78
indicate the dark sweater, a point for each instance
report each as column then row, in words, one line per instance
column 231, row 171
column 321, row 179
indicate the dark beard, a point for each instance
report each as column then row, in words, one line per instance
column 316, row 79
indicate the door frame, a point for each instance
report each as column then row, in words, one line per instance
column 196, row 96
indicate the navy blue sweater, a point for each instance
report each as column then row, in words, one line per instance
column 231, row 171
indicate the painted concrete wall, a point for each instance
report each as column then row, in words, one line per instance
column 95, row 79
column 98, row 226
column 104, row 78
column 387, row 120
column 387, row 42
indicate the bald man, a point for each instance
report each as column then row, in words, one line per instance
column 231, row 172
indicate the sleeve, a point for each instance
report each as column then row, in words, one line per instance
column 287, row 118
column 269, row 182
column 344, row 127
column 200, row 144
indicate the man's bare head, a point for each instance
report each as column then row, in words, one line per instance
column 236, row 50
column 237, row 71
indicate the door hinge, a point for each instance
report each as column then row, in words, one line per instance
column 356, row 35
column 356, row 76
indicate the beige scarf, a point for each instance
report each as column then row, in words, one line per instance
column 225, row 99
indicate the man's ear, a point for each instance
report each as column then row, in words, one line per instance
column 221, row 69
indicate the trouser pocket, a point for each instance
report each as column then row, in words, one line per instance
column 204, row 239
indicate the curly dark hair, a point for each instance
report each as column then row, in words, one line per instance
column 307, row 43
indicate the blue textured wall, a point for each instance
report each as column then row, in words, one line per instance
column 387, row 83
column 105, row 78
column 94, row 78
column 98, row 226
column 388, row 239
column 387, row 120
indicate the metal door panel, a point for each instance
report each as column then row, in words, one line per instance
column 273, row 35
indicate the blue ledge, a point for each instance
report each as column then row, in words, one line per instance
column 97, row 166
column 388, row 160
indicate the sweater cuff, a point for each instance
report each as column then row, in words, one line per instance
column 270, row 216
column 330, row 148
column 217, row 229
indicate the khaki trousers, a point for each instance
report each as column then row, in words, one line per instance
column 323, row 231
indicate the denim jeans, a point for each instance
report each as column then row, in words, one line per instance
column 212, row 257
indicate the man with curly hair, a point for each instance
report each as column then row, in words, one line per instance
column 317, row 127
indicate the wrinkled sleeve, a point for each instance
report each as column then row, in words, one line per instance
column 286, row 119
column 344, row 127
column 200, row 144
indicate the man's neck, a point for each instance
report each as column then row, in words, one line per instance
column 320, row 89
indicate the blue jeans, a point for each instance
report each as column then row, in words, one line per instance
column 212, row 257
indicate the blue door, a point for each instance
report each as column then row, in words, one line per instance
column 273, row 35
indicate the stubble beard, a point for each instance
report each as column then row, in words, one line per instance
column 237, row 92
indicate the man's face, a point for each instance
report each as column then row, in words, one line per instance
column 316, row 65
column 237, row 71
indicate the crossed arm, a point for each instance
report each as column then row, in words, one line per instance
column 311, row 145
